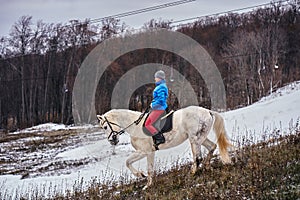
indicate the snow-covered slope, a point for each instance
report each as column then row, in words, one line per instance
column 279, row 111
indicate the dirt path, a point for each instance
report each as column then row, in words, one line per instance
column 34, row 154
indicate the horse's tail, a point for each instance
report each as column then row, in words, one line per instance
column 222, row 138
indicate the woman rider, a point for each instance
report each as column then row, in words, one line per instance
column 158, row 107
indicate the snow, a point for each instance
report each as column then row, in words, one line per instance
column 51, row 127
column 276, row 112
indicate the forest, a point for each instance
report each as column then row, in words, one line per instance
column 256, row 52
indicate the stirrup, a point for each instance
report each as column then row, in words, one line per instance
column 155, row 141
column 156, row 147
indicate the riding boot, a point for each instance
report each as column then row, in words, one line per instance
column 158, row 139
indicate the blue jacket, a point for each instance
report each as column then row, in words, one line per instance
column 160, row 96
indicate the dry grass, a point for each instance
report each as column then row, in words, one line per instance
column 268, row 170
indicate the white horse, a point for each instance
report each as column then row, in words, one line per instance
column 193, row 123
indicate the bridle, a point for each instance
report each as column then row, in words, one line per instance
column 112, row 137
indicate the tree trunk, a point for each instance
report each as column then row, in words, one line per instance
column 45, row 106
column 23, row 91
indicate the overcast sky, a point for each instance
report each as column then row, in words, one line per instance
column 61, row 11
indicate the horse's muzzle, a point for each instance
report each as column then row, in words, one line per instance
column 114, row 140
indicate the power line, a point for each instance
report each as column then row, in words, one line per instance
column 125, row 14
column 148, row 9
column 225, row 12
column 116, row 16
column 59, row 77
column 37, row 78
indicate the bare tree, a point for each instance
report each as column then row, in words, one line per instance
column 111, row 27
column 21, row 34
column 4, row 51
column 237, row 53
column 157, row 23
column 38, row 42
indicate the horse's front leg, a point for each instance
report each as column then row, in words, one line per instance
column 132, row 159
column 150, row 165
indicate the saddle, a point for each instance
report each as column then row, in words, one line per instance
column 163, row 124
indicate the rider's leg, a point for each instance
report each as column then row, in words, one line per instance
column 153, row 117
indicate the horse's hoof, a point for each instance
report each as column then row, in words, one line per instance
column 193, row 172
column 206, row 166
column 141, row 175
column 145, row 187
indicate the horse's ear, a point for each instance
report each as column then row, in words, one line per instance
column 100, row 118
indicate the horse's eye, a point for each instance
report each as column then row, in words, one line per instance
column 105, row 127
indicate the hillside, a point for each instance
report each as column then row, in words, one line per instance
column 267, row 170
column 53, row 159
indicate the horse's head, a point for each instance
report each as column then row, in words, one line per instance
column 111, row 129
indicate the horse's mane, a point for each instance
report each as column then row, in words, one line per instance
column 116, row 114
column 122, row 111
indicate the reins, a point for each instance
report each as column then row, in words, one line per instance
column 114, row 133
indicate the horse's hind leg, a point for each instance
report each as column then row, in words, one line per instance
column 197, row 139
column 211, row 147
column 196, row 156
column 196, row 143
